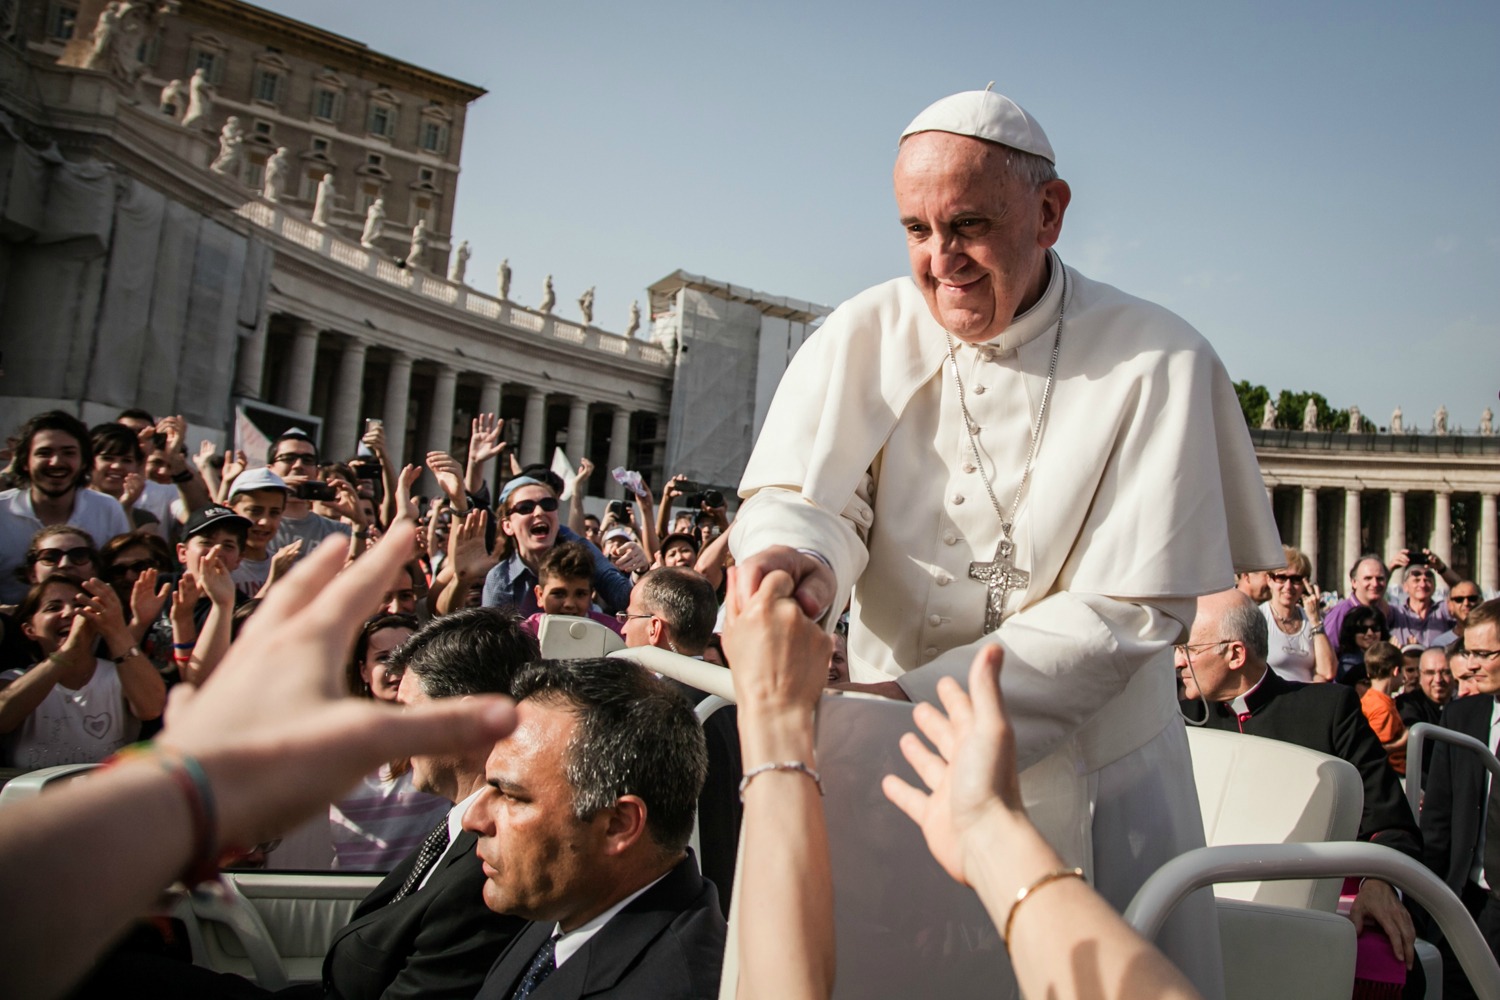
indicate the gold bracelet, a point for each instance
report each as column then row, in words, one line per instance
column 1047, row 879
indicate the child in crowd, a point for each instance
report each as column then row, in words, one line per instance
column 566, row 586
column 259, row 496
column 1383, row 666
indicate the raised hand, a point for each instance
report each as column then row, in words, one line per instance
column 135, row 485
column 216, row 579
column 780, row 655
column 104, row 611
column 234, row 465
column 282, row 560
column 486, row 438
column 185, row 598
column 374, row 439
column 449, row 475
column 406, row 507
column 146, row 601
column 467, row 551
column 206, row 450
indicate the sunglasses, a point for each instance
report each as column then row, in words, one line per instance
column 293, row 458
column 1467, row 599
column 1288, row 577
column 138, row 566
column 53, row 557
column 524, row 507
column 1375, row 629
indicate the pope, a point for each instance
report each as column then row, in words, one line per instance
column 998, row 449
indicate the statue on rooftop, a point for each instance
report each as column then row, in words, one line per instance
column 1310, row 416
column 418, row 247
column 1396, row 426
column 502, row 275
column 586, row 306
column 549, row 297
column 323, row 200
column 374, row 224
column 231, row 148
column 173, row 99
column 1356, row 421
column 635, row 319
column 200, row 100
column 460, row 265
column 1268, row 415
column 1440, row 421
column 278, row 171
column 1487, row 422
column 106, row 34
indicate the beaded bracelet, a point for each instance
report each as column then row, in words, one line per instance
column 781, row 765
column 192, row 781
column 1021, row 897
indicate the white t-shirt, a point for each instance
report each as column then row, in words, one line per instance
column 250, row 575
column 160, row 500
column 1291, row 656
column 73, row 727
column 96, row 514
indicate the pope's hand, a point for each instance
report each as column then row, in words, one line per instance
column 813, row 581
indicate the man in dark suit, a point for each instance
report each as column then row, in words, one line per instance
column 1224, row 662
column 583, row 828
column 1460, row 815
column 425, row 930
column 1425, row 704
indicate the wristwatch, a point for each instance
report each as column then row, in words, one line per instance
column 132, row 651
column 185, row 476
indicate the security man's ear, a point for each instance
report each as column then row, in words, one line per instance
column 624, row 824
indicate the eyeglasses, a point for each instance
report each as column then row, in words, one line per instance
column 1466, row 599
column 1484, row 655
column 1420, row 574
column 1288, row 577
column 294, row 458
column 624, row 616
column 1374, row 629
column 138, row 566
column 524, row 507
column 1187, row 649
column 53, row 557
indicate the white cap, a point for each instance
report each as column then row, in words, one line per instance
column 985, row 114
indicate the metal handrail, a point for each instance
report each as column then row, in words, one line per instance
column 1416, row 740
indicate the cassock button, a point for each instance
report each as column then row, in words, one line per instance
column 950, row 539
column 987, row 354
column 980, row 390
column 930, row 652
column 968, row 467
column 958, row 498
column 944, row 579
column 934, row 620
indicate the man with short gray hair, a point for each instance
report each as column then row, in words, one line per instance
column 671, row 607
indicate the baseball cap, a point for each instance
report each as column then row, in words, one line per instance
column 211, row 517
column 258, row 479
column 987, row 115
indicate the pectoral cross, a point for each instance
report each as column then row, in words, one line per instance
column 1000, row 576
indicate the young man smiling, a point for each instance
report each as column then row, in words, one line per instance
column 52, row 464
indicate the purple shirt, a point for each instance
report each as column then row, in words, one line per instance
column 1408, row 627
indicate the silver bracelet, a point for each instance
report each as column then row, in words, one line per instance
column 781, row 765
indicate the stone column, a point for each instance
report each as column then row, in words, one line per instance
column 341, row 434
column 578, row 429
column 489, row 402
column 397, row 399
column 1489, row 545
column 440, row 421
column 1395, row 538
column 250, row 364
column 1308, row 540
column 619, row 450
column 533, row 427
column 1442, row 527
column 1351, row 527
column 303, row 362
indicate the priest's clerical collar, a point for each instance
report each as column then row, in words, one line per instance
column 1031, row 324
column 1241, row 704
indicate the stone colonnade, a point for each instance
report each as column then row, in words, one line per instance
column 291, row 381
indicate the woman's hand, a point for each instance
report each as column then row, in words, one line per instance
column 780, row 655
column 146, row 601
column 104, row 611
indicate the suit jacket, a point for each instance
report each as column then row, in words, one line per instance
column 1416, row 707
column 1327, row 718
column 437, row 942
column 668, row 944
column 1453, row 799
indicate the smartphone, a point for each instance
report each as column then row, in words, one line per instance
column 312, row 489
column 373, row 422
column 620, row 509
column 1418, row 557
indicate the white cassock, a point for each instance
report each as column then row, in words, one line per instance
column 1144, row 494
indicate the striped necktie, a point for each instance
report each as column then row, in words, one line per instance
column 543, row 964
column 432, row 849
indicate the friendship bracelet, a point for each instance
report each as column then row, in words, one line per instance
column 1047, row 879
column 781, row 765
column 183, row 645
column 192, row 781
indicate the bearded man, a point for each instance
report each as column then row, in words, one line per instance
column 999, row 449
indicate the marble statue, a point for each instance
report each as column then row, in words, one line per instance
column 1310, row 416
column 586, row 306
column 106, row 34
column 231, row 148
column 502, row 275
column 1487, row 422
column 278, row 171
column 1440, row 420
column 323, row 200
column 549, row 297
column 1268, row 415
column 200, row 100
column 1356, row 421
column 374, row 223
column 1396, row 426
column 460, row 264
column 635, row 319
column 174, row 99
column 418, row 248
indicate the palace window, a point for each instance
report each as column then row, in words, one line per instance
column 62, row 20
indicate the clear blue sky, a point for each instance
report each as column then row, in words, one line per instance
column 1316, row 186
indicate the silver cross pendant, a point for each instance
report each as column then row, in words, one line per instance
column 1000, row 576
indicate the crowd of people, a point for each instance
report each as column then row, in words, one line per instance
column 317, row 648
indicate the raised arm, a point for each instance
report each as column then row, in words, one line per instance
column 575, row 500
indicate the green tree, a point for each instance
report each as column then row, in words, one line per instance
column 1252, row 401
column 1291, row 405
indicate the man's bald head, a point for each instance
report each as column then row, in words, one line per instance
column 1225, row 655
column 1230, row 615
column 1433, row 675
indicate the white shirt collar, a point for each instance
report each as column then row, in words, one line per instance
column 455, row 827
column 569, row 944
